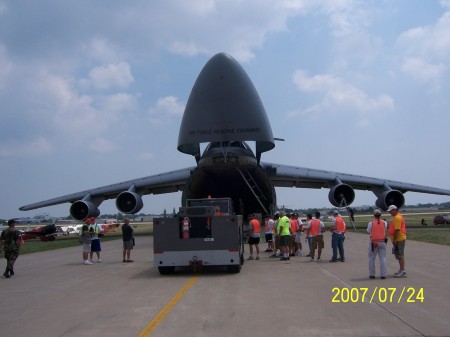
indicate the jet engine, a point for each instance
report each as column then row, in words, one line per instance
column 129, row 202
column 390, row 197
column 339, row 192
column 82, row 209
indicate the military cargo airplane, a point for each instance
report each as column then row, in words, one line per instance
column 225, row 111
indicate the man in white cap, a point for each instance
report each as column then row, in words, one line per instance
column 377, row 230
column 397, row 232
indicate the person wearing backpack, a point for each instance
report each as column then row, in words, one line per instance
column 10, row 241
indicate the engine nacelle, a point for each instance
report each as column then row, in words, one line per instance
column 390, row 197
column 340, row 191
column 82, row 209
column 129, row 202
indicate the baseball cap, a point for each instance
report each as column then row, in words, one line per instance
column 392, row 207
column 376, row 211
column 335, row 212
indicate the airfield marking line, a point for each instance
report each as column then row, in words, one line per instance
column 167, row 308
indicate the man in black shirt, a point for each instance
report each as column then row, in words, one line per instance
column 127, row 238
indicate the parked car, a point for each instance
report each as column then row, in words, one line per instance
column 441, row 219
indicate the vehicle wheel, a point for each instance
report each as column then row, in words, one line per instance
column 166, row 270
column 236, row 268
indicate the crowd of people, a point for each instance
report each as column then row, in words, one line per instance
column 90, row 238
column 284, row 236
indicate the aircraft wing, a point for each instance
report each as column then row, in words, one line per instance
column 302, row 177
column 342, row 184
column 172, row 181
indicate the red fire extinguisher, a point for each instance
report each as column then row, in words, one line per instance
column 185, row 228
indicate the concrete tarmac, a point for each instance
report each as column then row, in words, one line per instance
column 53, row 294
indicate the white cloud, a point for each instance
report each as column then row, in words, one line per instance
column 37, row 147
column 426, row 49
column 119, row 103
column 61, row 104
column 166, row 108
column 421, row 70
column 431, row 41
column 72, row 116
column 346, row 16
column 205, row 27
column 3, row 8
column 197, row 7
column 186, row 48
column 339, row 95
column 6, row 65
column 102, row 50
column 111, row 75
column 102, row 145
column 315, row 83
column 146, row 156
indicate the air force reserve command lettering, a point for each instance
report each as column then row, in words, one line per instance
column 224, row 131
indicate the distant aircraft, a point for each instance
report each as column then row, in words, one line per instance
column 224, row 111
column 45, row 233
column 70, row 229
column 75, row 229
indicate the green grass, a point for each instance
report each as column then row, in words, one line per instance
column 438, row 234
column 441, row 237
column 431, row 233
column 36, row 245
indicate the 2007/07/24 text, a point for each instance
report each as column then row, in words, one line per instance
column 380, row 295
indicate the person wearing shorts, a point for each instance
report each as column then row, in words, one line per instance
column 86, row 238
column 255, row 237
column 127, row 238
column 268, row 225
column 298, row 235
column 95, row 229
column 285, row 233
column 397, row 232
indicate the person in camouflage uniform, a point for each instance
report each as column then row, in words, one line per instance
column 10, row 241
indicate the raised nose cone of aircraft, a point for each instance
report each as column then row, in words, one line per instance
column 224, row 106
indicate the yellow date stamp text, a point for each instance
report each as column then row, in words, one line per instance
column 378, row 294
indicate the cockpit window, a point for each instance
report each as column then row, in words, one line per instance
column 235, row 144
column 217, row 145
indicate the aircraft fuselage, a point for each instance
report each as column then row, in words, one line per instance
column 230, row 169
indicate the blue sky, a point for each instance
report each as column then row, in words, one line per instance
column 92, row 92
